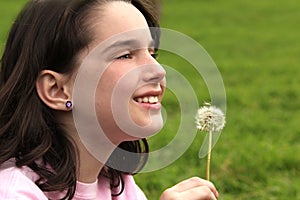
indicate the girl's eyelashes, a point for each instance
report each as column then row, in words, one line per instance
column 154, row 55
column 125, row 56
column 130, row 55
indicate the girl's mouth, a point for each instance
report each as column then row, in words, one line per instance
column 147, row 99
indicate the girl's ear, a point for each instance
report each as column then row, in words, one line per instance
column 53, row 89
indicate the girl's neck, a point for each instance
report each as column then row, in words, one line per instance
column 89, row 167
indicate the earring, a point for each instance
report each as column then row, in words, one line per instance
column 69, row 104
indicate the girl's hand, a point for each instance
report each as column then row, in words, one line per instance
column 191, row 189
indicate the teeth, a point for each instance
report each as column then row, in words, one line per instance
column 145, row 99
column 140, row 100
column 150, row 99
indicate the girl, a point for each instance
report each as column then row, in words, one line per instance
column 44, row 154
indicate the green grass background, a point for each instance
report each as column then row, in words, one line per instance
column 256, row 46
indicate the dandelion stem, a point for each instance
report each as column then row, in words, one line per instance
column 208, row 155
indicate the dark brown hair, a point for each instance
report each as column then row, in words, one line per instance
column 49, row 34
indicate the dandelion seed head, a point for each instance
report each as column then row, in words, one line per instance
column 210, row 118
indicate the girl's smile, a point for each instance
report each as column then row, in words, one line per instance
column 150, row 99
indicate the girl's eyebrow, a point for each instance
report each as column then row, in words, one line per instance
column 129, row 42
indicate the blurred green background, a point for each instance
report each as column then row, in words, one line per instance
column 256, row 46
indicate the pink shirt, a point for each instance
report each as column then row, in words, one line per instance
column 18, row 183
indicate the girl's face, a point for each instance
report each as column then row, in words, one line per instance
column 131, row 85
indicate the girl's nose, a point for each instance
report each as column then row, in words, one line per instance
column 153, row 71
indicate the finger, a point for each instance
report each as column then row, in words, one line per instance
column 198, row 193
column 195, row 182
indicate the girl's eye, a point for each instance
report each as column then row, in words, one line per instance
column 125, row 56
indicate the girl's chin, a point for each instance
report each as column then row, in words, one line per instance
column 149, row 127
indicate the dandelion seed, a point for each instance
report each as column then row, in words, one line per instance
column 209, row 119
